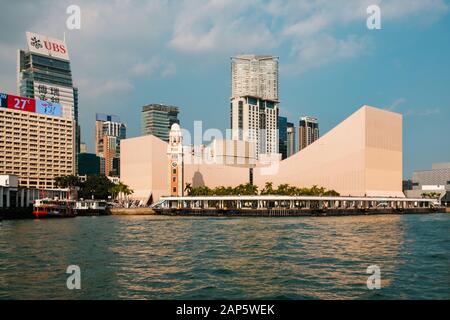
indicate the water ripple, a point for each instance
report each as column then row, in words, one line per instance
column 230, row 258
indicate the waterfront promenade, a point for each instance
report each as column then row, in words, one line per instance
column 292, row 206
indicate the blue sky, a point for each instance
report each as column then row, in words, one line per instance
column 130, row 53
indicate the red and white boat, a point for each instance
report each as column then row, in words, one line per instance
column 49, row 208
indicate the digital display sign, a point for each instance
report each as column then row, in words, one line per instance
column 3, row 100
column 21, row 103
column 47, row 108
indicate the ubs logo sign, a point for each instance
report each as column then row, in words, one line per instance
column 46, row 45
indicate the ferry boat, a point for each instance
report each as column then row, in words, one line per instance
column 91, row 207
column 49, row 208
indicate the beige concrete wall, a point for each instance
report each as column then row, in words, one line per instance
column 144, row 166
column 383, row 153
column 361, row 156
column 215, row 175
column 335, row 161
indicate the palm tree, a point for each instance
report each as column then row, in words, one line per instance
column 115, row 190
column 282, row 189
column 268, row 189
column 120, row 189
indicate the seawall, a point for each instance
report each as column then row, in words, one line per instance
column 292, row 213
column 16, row 213
column 131, row 211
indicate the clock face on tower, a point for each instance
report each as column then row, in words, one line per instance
column 174, row 164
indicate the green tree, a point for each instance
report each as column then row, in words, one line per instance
column 69, row 182
column 98, row 187
column 119, row 190
column 431, row 195
column 282, row 190
column 268, row 189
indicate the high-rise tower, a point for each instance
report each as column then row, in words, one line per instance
column 44, row 73
column 254, row 101
column 290, row 139
column 157, row 120
column 108, row 133
column 308, row 131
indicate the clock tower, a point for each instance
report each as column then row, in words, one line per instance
column 175, row 154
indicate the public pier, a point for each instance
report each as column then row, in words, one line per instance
column 291, row 205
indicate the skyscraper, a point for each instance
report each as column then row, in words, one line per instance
column 290, row 139
column 157, row 119
column 108, row 133
column 44, row 73
column 282, row 137
column 254, row 101
column 308, row 131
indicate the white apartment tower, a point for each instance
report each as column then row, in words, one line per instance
column 254, row 101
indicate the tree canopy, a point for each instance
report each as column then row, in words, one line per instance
column 249, row 189
column 95, row 186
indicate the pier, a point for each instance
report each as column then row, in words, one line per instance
column 291, row 206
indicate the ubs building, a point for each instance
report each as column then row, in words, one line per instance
column 44, row 73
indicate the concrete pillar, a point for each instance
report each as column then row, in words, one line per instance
column 28, row 200
column 22, row 198
column 7, row 198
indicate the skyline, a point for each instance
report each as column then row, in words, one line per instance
column 318, row 51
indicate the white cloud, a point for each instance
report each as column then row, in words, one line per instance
column 424, row 112
column 99, row 89
column 325, row 49
column 398, row 102
column 308, row 27
column 123, row 42
column 219, row 26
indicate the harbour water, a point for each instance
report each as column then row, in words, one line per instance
column 158, row 257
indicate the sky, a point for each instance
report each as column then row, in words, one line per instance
column 131, row 53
